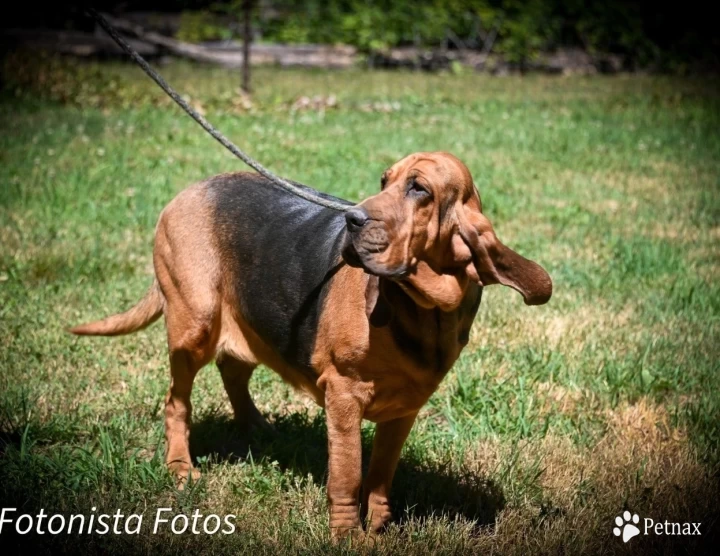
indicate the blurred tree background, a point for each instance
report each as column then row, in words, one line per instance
column 551, row 422
column 655, row 36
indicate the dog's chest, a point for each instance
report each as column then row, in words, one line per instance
column 398, row 392
column 410, row 356
column 428, row 340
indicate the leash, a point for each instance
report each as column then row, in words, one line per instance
column 207, row 126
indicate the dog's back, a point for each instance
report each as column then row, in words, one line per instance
column 240, row 240
column 279, row 253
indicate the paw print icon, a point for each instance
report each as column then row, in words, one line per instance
column 626, row 526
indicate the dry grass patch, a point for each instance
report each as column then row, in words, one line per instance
column 554, row 330
column 642, row 464
column 557, row 398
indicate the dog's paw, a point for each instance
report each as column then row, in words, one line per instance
column 345, row 522
column 378, row 514
column 352, row 534
column 378, row 522
column 252, row 420
column 184, row 474
column 259, row 422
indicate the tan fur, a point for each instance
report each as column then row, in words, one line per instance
column 146, row 312
column 444, row 243
column 449, row 249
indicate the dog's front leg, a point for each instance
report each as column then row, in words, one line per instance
column 387, row 445
column 344, row 411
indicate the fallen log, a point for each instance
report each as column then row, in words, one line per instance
column 75, row 43
column 230, row 55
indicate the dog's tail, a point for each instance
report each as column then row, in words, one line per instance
column 144, row 313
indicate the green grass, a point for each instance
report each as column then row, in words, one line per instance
column 554, row 419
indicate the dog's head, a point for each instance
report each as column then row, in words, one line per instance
column 429, row 214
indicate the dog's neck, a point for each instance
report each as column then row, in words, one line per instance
column 446, row 293
column 430, row 336
column 430, row 289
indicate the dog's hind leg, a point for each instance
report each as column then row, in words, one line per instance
column 188, row 272
column 191, row 335
column 236, row 378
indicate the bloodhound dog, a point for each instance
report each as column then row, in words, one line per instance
column 366, row 310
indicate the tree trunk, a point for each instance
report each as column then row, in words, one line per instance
column 248, row 6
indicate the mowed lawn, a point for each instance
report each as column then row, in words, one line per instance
column 554, row 420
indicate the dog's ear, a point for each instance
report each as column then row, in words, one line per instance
column 376, row 308
column 384, row 178
column 491, row 262
column 372, row 292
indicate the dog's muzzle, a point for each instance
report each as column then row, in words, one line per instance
column 367, row 236
column 356, row 219
column 366, row 239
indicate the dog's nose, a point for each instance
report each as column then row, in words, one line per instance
column 356, row 218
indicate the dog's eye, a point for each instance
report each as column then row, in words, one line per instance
column 416, row 189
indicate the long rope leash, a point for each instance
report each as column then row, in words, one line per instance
column 207, row 126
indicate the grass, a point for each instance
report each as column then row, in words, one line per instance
column 553, row 421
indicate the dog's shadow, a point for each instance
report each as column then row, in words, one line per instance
column 299, row 443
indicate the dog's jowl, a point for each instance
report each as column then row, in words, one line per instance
column 365, row 310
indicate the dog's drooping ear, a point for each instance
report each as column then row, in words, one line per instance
column 376, row 308
column 491, row 262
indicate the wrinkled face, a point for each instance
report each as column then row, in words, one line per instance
column 430, row 212
column 408, row 219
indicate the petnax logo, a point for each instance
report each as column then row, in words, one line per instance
column 628, row 526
